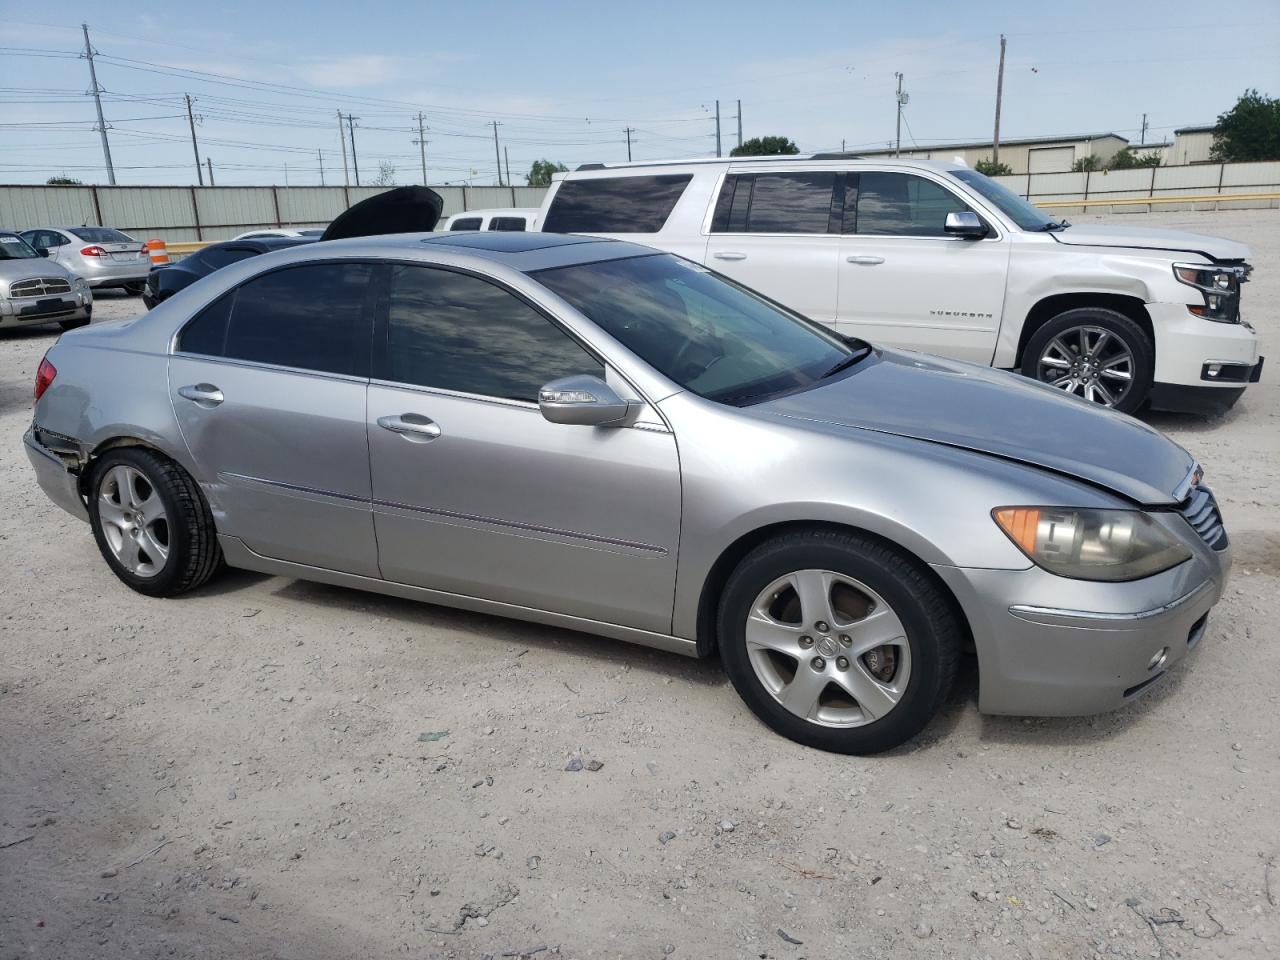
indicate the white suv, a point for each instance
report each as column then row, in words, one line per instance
column 936, row 257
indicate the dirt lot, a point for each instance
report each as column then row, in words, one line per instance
column 243, row 772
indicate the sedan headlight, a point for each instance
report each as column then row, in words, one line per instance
column 1087, row 544
column 1220, row 286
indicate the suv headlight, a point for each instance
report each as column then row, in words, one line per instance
column 1220, row 286
column 1087, row 544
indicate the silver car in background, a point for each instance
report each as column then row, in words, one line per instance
column 596, row 435
column 34, row 291
column 102, row 256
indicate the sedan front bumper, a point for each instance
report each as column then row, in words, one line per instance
column 1049, row 646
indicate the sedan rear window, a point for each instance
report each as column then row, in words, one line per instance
column 101, row 235
column 615, row 204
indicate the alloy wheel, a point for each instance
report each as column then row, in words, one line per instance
column 133, row 521
column 1090, row 362
column 828, row 648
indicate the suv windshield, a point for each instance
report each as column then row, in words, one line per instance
column 13, row 247
column 704, row 332
column 1026, row 215
column 101, row 235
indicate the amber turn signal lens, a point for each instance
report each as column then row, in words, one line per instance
column 1020, row 523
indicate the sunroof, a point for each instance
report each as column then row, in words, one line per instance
column 501, row 241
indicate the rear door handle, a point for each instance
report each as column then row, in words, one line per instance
column 864, row 260
column 729, row 255
column 411, row 426
column 203, row 394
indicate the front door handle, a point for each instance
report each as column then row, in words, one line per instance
column 729, row 255
column 411, row 426
column 202, row 394
column 864, row 260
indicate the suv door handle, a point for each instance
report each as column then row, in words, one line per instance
column 203, row 394
column 865, row 260
column 729, row 255
column 411, row 426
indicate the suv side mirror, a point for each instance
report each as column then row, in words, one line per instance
column 965, row 223
column 584, row 400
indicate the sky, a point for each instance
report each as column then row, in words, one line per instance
column 564, row 81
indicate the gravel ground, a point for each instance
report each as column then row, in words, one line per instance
column 270, row 768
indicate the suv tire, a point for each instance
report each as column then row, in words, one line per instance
column 1085, row 351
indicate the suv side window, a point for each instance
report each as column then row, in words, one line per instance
column 900, row 205
column 466, row 223
column 615, row 204
column 314, row 317
column 513, row 224
column 802, row 203
column 457, row 332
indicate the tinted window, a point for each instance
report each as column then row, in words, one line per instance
column 13, row 247
column 313, row 317
column 899, row 204
column 1020, row 211
column 218, row 257
column 615, row 205
column 101, row 235
column 514, row 224
column 777, row 203
column 458, row 332
column 466, row 223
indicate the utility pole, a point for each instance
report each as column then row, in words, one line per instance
column 320, row 158
column 718, row 129
column 628, row 133
column 209, row 161
column 507, row 157
column 739, row 123
column 342, row 142
column 355, row 162
column 497, row 155
column 897, row 140
column 995, row 140
column 422, row 146
column 191, row 121
column 96, row 90
column 1144, row 130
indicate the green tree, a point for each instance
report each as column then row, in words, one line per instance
column 993, row 168
column 765, row 147
column 1249, row 131
column 63, row 181
column 540, row 173
column 1085, row 164
column 1126, row 159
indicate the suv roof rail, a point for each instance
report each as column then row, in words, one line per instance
column 589, row 166
column 837, row 155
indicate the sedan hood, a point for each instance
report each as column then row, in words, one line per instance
column 1178, row 241
column 996, row 413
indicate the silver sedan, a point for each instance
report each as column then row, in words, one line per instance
column 602, row 437
column 101, row 256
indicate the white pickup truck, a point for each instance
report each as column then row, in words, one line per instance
column 936, row 257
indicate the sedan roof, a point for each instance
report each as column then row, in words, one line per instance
column 525, row 252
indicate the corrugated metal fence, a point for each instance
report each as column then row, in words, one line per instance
column 216, row 213
column 1196, row 186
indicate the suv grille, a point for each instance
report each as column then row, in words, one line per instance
column 40, row 287
column 1201, row 511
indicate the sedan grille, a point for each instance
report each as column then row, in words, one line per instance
column 40, row 287
column 1200, row 510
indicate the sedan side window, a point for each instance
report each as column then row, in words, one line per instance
column 313, row 317
column 457, row 332
column 901, row 205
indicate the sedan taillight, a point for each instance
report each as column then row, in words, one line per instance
column 44, row 376
column 92, row 251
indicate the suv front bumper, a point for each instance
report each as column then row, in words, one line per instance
column 1189, row 348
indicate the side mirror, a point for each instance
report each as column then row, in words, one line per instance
column 583, row 400
column 965, row 223
column 43, row 251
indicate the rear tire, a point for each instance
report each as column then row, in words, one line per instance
column 151, row 522
column 73, row 324
column 865, row 698
column 135, row 288
column 1085, row 352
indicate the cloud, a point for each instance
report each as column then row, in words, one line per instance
column 352, row 70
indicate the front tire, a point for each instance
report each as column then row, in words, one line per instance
column 151, row 523
column 837, row 640
column 1097, row 354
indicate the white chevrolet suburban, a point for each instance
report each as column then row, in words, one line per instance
column 936, row 257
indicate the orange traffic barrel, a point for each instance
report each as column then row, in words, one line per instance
column 159, row 253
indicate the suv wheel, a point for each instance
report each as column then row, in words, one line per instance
column 1097, row 354
column 151, row 523
column 837, row 641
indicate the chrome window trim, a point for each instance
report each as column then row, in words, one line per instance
column 257, row 365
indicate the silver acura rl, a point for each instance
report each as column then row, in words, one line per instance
column 606, row 438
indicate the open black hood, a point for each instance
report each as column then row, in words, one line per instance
column 401, row 210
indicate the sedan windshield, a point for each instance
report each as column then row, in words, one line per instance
column 1026, row 215
column 707, row 334
column 13, row 247
column 101, row 235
